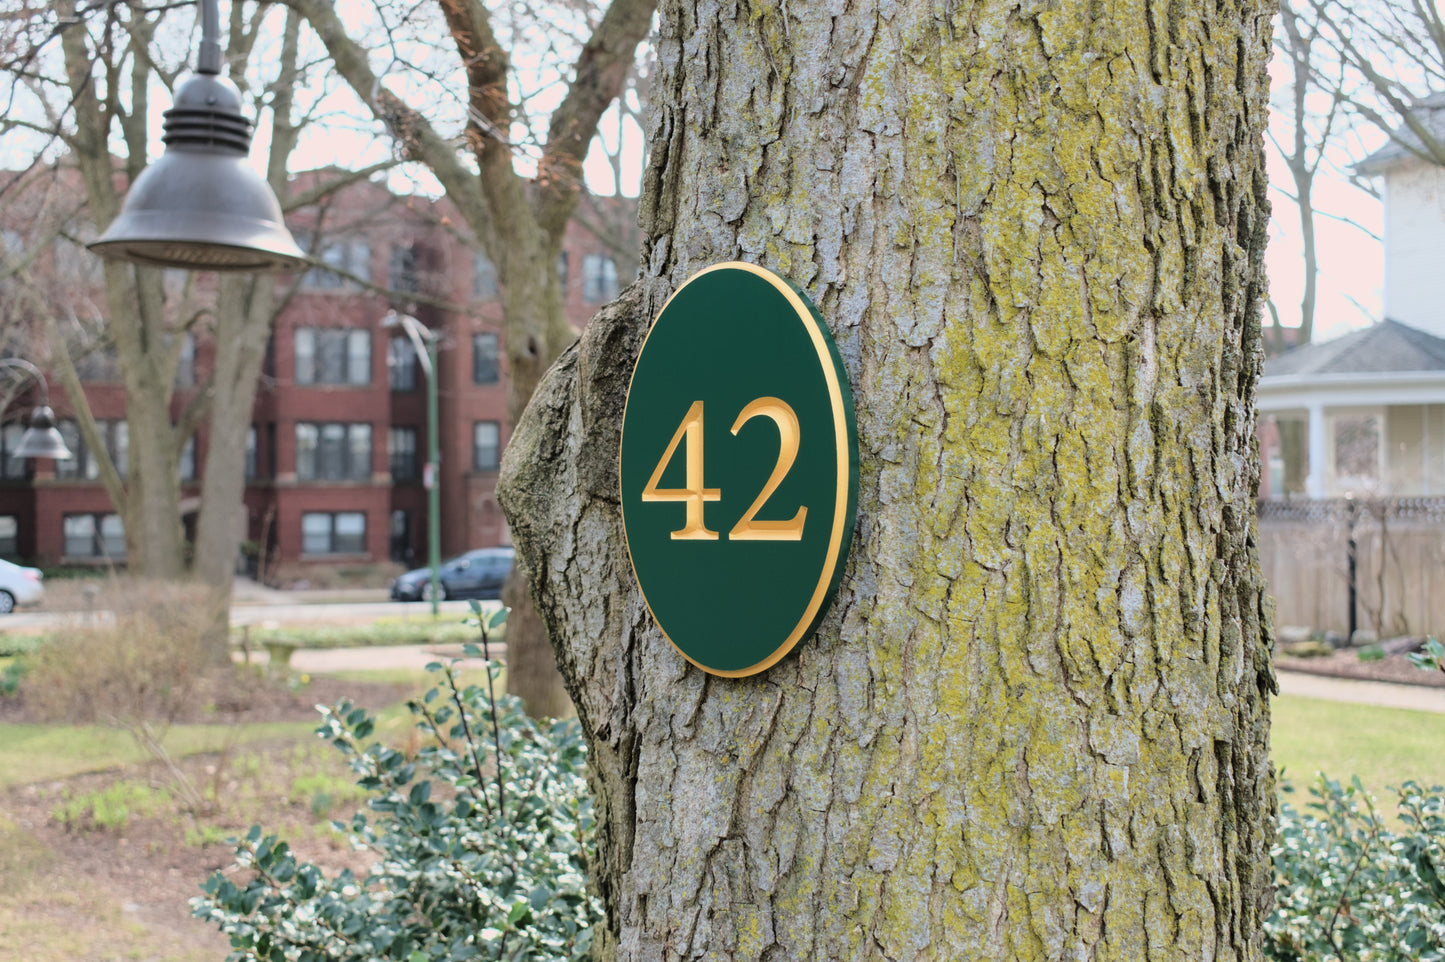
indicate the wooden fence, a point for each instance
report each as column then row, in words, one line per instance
column 1304, row 548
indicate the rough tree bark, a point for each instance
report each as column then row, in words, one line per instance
column 1034, row 724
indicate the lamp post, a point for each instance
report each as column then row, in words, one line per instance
column 425, row 342
column 41, row 439
column 201, row 206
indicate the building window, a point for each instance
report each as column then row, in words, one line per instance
column 401, row 452
column 117, row 443
column 74, row 265
column 339, row 256
column 252, row 468
column 486, row 445
column 84, row 466
column 401, row 549
column 599, row 279
column 1357, row 453
column 405, row 269
column 334, row 355
column 9, row 535
column 79, row 465
column 401, row 364
column 484, row 277
column 187, row 463
column 562, row 273
column 186, row 365
column 11, row 467
column 98, row 363
column 333, row 532
column 93, row 536
column 485, row 368
column 333, row 452
column 12, row 245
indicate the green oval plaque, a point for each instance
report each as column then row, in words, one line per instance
column 739, row 469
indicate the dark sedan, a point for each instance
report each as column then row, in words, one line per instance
column 476, row 574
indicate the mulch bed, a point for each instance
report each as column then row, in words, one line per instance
column 1346, row 663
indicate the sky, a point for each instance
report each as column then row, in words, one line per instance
column 1351, row 263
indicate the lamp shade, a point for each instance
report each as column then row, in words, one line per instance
column 201, row 206
column 41, row 439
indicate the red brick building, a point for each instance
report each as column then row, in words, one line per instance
column 338, row 443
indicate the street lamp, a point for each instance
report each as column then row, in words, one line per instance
column 201, row 206
column 425, row 341
column 41, row 439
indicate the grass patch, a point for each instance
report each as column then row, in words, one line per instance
column 445, row 629
column 12, row 645
column 423, row 630
column 419, row 679
column 38, row 753
column 1384, row 746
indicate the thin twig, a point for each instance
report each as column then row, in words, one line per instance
column 476, row 791
column 497, row 748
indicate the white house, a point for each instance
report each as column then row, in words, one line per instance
column 1370, row 407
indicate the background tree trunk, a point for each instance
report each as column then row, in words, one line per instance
column 1035, row 722
column 519, row 224
column 245, row 313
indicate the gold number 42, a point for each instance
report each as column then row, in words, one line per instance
column 695, row 495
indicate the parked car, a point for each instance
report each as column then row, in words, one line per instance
column 476, row 574
column 19, row 586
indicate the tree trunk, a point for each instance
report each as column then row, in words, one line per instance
column 135, row 304
column 245, row 311
column 1034, row 723
column 536, row 332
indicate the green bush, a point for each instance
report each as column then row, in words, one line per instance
column 1430, row 657
column 482, row 845
column 12, row 646
column 1372, row 653
column 1348, row 888
column 10, row 676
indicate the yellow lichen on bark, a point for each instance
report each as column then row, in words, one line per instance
column 1033, row 726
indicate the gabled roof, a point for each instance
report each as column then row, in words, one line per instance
column 1388, row 347
column 1403, row 142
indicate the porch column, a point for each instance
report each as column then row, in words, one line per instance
column 1315, row 480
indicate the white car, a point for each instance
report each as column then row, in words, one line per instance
column 19, row 586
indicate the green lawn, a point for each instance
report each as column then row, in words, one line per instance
column 35, row 753
column 1384, row 746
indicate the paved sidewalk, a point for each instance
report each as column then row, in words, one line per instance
column 1383, row 694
